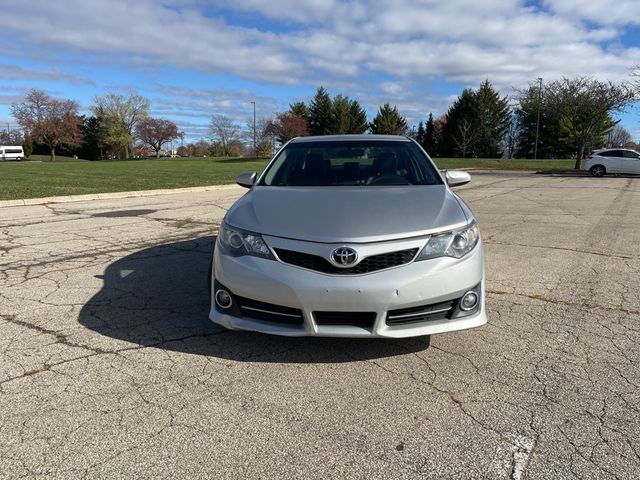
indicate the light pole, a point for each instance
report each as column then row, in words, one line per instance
column 535, row 148
column 254, row 129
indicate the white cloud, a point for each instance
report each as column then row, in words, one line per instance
column 377, row 50
column 603, row 12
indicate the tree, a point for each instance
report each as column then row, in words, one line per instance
column 550, row 143
column 618, row 137
column 183, row 151
column 583, row 106
column 420, row 134
column 90, row 131
column 235, row 148
column 300, row 109
column 357, row 118
column 201, row 148
column 11, row 137
column 465, row 137
column 388, row 121
column 225, row 131
column 48, row 121
column 155, row 132
column 27, row 146
column 321, row 118
column 429, row 139
column 493, row 118
column 461, row 120
column 118, row 116
column 288, row 125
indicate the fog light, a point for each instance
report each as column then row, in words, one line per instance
column 223, row 299
column 469, row 301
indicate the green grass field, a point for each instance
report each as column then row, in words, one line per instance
column 67, row 176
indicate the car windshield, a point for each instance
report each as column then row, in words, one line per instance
column 349, row 163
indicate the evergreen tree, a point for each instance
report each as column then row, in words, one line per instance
column 321, row 114
column 492, row 117
column 357, row 118
column 27, row 146
column 420, row 134
column 388, row 121
column 341, row 116
column 458, row 133
column 300, row 109
column 90, row 130
column 430, row 136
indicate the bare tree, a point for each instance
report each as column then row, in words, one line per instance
column 155, row 132
column 465, row 136
column 225, row 131
column 618, row 137
column 119, row 115
column 11, row 137
column 583, row 106
column 48, row 121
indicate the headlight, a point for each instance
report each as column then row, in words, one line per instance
column 454, row 244
column 238, row 242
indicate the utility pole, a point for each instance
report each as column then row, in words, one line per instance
column 254, row 130
column 535, row 148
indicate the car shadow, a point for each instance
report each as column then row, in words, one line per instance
column 158, row 297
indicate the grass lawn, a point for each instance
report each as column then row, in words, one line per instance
column 504, row 164
column 47, row 179
column 67, row 176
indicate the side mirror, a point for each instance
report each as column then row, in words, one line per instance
column 246, row 179
column 457, row 177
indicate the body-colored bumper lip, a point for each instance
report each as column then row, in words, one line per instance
column 418, row 283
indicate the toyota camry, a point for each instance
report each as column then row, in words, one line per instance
column 349, row 236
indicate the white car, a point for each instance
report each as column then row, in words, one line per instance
column 613, row 160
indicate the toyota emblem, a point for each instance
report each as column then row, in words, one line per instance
column 344, row 257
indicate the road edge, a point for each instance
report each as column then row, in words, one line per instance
column 105, row 196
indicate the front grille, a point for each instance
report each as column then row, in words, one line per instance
column 268, row 312
column 358, row 319
column 367, row 265
column 422, row 313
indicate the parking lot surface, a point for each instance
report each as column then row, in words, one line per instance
column 109, row 367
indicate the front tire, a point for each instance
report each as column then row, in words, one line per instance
column 598, row 170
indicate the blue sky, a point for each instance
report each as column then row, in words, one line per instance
column 197, row 58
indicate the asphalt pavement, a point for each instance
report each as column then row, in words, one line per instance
column 109, row 367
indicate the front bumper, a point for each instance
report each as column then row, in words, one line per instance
column 419, row 283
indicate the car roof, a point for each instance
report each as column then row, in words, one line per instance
column 615, row 148
column 350, row 138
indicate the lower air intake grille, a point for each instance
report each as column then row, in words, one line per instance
column 268, row 312
column 422, row 313
column 357, row 319
column 367, row 265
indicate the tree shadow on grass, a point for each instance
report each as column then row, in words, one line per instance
column 158, row 297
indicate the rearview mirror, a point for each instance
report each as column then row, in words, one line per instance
column 246, row 179
column 457, row 177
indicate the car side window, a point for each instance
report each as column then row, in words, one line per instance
column 633, row 155
column 611, row 153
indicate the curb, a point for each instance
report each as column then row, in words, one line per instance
column 558, row 171
column 105, row 196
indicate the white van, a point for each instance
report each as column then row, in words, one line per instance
column 11, row 152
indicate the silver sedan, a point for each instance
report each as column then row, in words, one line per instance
column 349, row 236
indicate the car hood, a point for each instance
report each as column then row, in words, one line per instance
column 347, row 214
